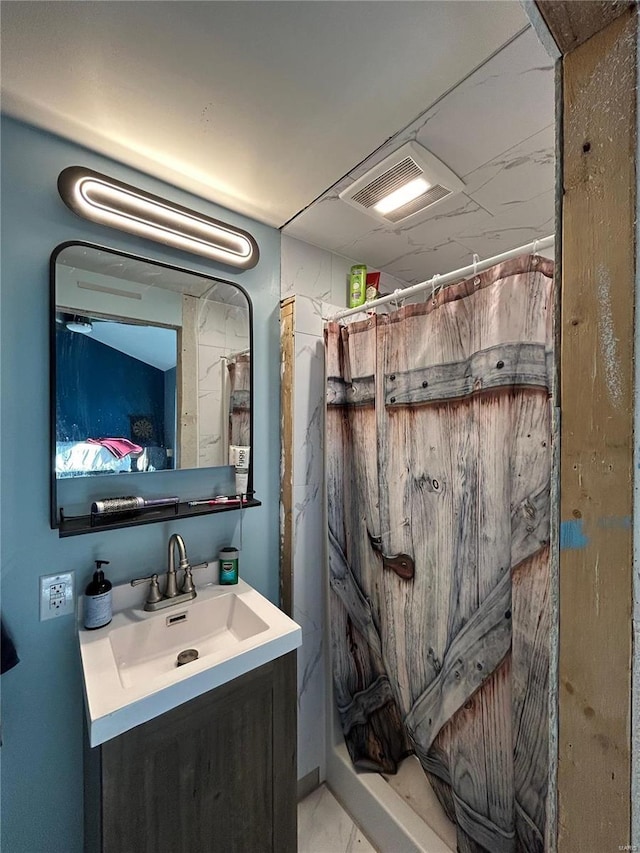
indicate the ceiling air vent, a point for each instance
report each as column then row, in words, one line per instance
column 409, row 181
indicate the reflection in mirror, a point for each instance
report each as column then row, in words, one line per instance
column 152, row 365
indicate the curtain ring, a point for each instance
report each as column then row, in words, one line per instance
column 434, row 288
column 396, row 302
column 534, row 260
column 476, row 277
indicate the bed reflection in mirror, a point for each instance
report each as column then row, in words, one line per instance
column 152, row 365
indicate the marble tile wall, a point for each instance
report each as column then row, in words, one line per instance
column 315, row 277
column 222, row 329
column 495, row 130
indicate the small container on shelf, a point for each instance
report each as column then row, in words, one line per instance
column 228, row 558
column 373, row 286
column 357, row 285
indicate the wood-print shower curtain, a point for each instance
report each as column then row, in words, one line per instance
column 438, row 455
column 239, row 368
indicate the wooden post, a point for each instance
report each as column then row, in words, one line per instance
column 596, row 376
column 187, row 379
column 573, row 23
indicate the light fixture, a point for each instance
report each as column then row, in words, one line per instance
column 402, row 196
column 409, row 181
column 82, row 325
column 110, row 202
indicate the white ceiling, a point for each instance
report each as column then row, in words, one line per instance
column 81, row 258
column 151, row 344
column 264, row 107
column 495, row 130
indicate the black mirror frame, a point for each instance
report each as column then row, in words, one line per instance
column 71, row 526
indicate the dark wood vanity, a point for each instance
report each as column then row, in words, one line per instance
column 217, row 773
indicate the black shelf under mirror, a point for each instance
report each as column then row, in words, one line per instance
column 79, row 524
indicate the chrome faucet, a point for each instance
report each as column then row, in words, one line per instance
column 172, row 587
column 156, row 600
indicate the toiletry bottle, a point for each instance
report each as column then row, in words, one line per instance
column 239, row 458
column 373, row 286
column 97, row 605
column 228, row 558
column 357, row 285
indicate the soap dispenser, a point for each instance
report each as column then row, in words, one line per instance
column 97, row 605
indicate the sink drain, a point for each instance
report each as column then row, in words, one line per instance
column 187, row 656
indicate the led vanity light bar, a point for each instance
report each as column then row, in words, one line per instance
column 110, row 202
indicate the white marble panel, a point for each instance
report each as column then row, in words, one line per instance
column 308, row 410
column 308, row 558
column 418, row 266
column 209, row 409
column 506, row 100
column 211, row 323
column 210, row 450
column 209, row 428
column 447, row 240
column 516, row 225
column 340, row 269
column 333, row 222
column 305, row 269
column 517, row 175
column 210, row 368
column 325, row 827
column 236, row 326
column 311, row 704
column 308, row 316
column 503, row 105
column 389, row 283
column 384, row 246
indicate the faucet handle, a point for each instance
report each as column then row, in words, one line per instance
column 154, row 589
column 187, row 583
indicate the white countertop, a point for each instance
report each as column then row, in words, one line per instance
column 115, row 704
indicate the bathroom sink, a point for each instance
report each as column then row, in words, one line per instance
column 212, row 626
column 130, row 667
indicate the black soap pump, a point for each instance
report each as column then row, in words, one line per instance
column 97, row 605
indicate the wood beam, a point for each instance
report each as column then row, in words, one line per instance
column 187, row 378
column 573, row 23
column 596, row 376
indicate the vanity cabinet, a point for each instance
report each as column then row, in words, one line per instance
column 217, row 773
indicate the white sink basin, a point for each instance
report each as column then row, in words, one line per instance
column 149, row 649
column 130, row 667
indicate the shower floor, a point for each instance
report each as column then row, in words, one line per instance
column 325, row 827
column 412, row 785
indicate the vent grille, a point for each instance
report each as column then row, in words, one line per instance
column 398, row 169
column 429, row 197
column 405, row 171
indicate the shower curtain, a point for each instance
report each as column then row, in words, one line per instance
column 239, row 368
column 438, row 475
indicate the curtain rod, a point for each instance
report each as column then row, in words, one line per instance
column 236, row 354
column 449, row 278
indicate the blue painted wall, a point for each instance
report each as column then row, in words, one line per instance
column 42, row 705
column 113, row 386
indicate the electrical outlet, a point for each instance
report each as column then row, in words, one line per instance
column 56, row 595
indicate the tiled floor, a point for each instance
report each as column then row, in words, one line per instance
column 325, row 827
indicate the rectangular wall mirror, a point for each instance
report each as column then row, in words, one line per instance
column 151, row 366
